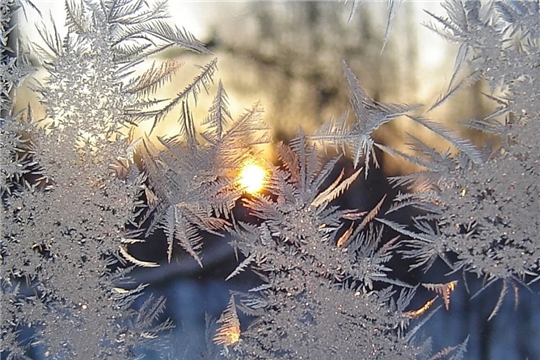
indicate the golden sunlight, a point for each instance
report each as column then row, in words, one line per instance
column 252, row 177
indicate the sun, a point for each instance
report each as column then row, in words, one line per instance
column 252, row 177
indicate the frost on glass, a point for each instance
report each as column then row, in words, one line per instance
column 71, row 195
column 78, row 188
column 489, row 210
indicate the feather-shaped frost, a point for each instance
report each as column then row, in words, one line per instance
column 154, row 78
column 229, row 331
column 369, row 114
column 393, row 7
column 201, row 81
column 462, row 144
column 195, row 182
column 219, row 116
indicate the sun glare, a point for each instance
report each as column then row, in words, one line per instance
column 252, row 177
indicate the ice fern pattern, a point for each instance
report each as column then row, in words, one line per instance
column 297, row 239
column 195, row 183
column 489, row 210
column 78, row 189
column 71, row 201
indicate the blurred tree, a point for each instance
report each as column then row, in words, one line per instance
column 292, row 54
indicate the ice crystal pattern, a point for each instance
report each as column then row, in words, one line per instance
column 70, row 192
column 489, row 210
column 74, row 199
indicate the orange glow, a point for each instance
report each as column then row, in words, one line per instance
column 252, row 177
column 444, row 290
column 416, row 313
column 227, row 336
column 229, row 331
